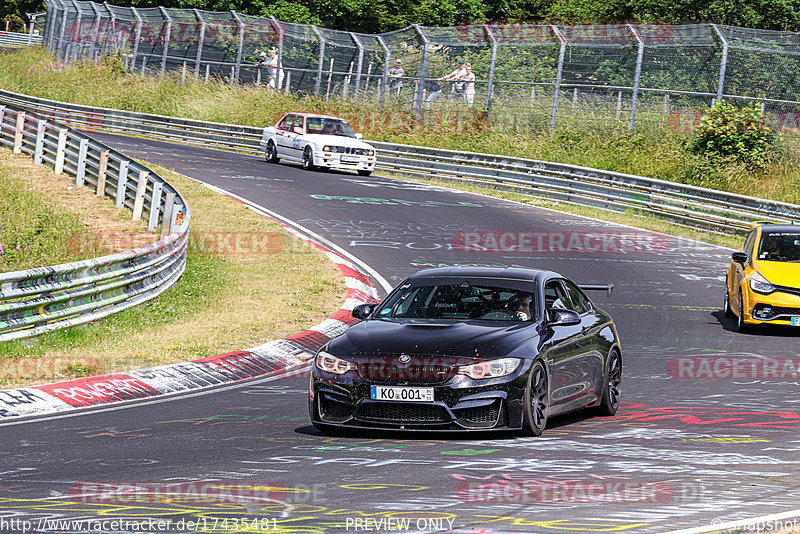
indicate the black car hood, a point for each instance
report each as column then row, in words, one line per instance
column 479, row 339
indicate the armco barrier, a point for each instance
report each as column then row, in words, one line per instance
column 43, row 299
column 16, row 40
column 685, row 205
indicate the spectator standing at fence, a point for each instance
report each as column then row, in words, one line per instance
column 469, row 86
column 456, row 77
column 272, row 69
column 396, row 74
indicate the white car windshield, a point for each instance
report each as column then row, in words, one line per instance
column 321, row 125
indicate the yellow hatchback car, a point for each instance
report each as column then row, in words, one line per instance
column 763, row 281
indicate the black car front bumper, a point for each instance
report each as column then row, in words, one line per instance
column 459, row 404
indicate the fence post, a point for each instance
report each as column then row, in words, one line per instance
column 723, row 64
column 559, row 72
column 490, row 86
column 101, row 174
column 423, row 69
column 60, row 151
column 78, row 24
column 666, row 104
column 137, row 37
column 533, row 95
column 320, row 60
column 122, row 183
column 166, row 217
column 141, row 189
column 62, row 47
column 155, row 207
column 637, row 74
column 240, row 26
column 167, row 38
column 114, row 45
column 80, row 176
column 279, row 66
column 359, row 66
column 200, row 42
column 18, row 132
column 386, row 65
column 38, row 151
column 97, row 22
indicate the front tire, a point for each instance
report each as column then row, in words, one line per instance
column 741, row 326
column 727, row 306
column 308, row 159
column 610, row 401
column 534, row 412
column 272, row 153
column 364, row 172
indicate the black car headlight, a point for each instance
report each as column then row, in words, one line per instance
column 370, row 152
column 490, row 369
column 332, row 364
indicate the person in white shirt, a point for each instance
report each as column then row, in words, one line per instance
column 469, row 86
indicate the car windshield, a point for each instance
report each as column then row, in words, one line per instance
column 780, row 246
column 321, row 125
column 463, row 301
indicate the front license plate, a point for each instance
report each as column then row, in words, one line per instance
column 795, row 321
column 349, row 159
column 395, row 393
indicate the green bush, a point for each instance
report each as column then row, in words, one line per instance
column 732, row 134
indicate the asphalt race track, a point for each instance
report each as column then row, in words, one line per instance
column 708, row 432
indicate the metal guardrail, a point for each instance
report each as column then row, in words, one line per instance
column 36, row 301
column 681, row 204
column 15, row 39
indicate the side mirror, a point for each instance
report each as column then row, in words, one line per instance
column 362, row 311
column 359, row 136
column 739, row 257
column 564, row 318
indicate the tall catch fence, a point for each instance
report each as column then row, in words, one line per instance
column 526, row 75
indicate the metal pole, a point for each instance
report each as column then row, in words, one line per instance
column 200, row 42
column 61, row 46
column 559, row 72
column 114, row 43
column 279, row 67
column 423, row 69
column 137, row 37
column 637, row 75
column 98, row 21
column 723, row 64
column 50, row 23
column 360, row 46
column 321, row 59
column 240, row 24
column 386, row 65
column 490, row 86
column 166, row 39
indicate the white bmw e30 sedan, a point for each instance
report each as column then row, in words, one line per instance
column 318, row 141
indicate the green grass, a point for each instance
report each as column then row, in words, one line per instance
column 34, row 230
column 653, row 149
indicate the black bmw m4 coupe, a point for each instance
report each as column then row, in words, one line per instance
column 470, row 348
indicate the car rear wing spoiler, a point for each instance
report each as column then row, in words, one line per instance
column 608, row 288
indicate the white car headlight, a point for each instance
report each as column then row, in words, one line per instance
column 490, row 369
column 759, row 284
column 329, row 148
column 332, row 364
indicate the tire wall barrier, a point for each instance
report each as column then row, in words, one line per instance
column 36, row 301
